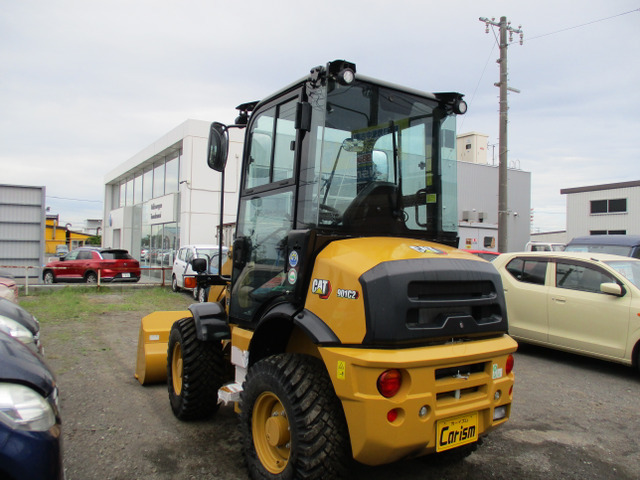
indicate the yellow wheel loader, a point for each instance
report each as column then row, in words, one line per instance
column 351, row 328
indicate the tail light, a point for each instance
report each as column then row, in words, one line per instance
column 392, row 415
column 389, row 382
column 509, row 366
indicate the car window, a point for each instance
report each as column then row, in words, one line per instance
column 71, row 255
column 612, row 249
column 116, row 255
column 628, row 269
column 581, row 277
column 540, row 248
column 528, row 270
column 181, row 254
column 188, row 255
column 85, row 255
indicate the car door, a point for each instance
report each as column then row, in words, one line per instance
column 581, row 317
column 526, row 293
column 84, row 261
column 66, row 268
column 179, row 266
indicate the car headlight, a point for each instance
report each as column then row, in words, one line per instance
column 21, row 408
column 16, row 330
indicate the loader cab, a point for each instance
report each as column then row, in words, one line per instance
column 335, row 155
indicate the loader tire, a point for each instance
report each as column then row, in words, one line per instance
column 293, row 425
column 195, row 372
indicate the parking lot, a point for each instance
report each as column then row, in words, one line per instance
column 572, row 417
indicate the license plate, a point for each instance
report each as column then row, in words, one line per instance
column 456, row 431
column 126, row 275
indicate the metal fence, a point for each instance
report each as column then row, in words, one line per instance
column 29, row 276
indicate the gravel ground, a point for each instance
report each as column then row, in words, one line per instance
column 572, row 418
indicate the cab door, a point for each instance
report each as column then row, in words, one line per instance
column 266, row 209
column 581, row 317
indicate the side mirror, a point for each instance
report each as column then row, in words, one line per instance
column 218, row 147
column 199, row 265
column 612, row 289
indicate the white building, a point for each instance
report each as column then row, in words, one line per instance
column 612, row 208
column 167, row 196
column 472, row 147
column 478, row 198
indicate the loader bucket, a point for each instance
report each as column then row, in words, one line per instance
column 151, row 363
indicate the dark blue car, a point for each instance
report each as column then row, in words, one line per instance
column 20, row 324
column 30, row 428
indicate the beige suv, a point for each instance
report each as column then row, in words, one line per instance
column 585, row 303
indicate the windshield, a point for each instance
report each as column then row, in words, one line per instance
column 612, row 249
column 629, row 269
column 388, row 161
column 207, row 253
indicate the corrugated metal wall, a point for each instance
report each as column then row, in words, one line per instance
column 478, row 196
column 22, row 225
column 580, row 220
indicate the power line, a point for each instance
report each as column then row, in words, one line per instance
column 583, row 25
column 473, row 96
column 74, row 199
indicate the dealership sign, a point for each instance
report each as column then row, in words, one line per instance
column 160, row 210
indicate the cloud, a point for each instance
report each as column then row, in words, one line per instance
column 86, row 85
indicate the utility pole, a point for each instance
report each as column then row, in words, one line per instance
column 503, row 208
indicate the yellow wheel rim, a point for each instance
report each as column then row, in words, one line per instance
column 270, row 430
column 176, row 368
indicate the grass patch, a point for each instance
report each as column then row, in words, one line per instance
column 85, row 303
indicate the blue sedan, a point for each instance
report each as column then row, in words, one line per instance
column 30, row 427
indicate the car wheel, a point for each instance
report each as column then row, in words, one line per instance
column 49, row 278
column 195, row 372
column 91, row 278
column 292, row 422
column 174, row 284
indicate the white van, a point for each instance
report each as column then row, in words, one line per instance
column 182, row 264
column 544, row 247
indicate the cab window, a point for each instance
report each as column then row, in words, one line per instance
column 272, row 146
column 528, row 270
column 575, row 276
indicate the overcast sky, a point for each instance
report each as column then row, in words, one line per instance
column 85, row 85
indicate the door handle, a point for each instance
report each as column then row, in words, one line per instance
column 559, row 299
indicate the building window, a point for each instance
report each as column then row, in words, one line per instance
column 158, row 180
column 115, row 201
column 172, row 173
column 137, row 189
column 607, row 232
column 129, row 200
column 147, row 185
column 618, row 205
column 123, row 194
